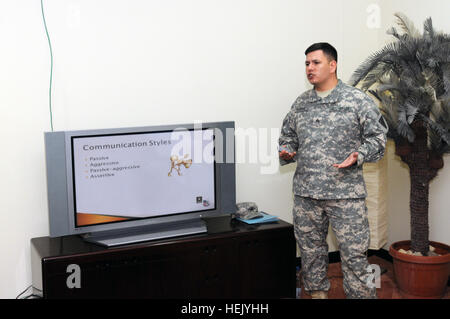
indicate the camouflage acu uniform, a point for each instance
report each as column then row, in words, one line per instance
column 348, row 218
column 323, row 132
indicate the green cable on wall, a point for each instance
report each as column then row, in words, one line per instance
column 51, row 66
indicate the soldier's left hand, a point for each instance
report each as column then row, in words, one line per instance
column 349, row 161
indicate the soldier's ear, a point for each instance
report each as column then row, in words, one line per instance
column 333, row 66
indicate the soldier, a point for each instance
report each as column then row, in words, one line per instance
column 330, row 131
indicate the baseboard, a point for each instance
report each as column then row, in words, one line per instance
column 382, row 253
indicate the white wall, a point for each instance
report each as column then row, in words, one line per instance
column 23, row 102
column 119, row 64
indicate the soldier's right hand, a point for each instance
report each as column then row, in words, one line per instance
column 287, row 155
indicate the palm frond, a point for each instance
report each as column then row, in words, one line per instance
column 411, row 78
column 375, row 94
column 389, row 111
column 406, row 24
column 428, row 31
column 386, row 55
column 411, row 109
column 393, row 31
column 438, row 129
column 437, row 144
column 444, row 93
column 403, row 128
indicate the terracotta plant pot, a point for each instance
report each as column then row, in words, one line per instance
column 421, row 276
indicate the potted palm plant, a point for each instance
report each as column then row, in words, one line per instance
column 410, row 78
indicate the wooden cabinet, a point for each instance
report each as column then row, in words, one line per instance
column 239, row 261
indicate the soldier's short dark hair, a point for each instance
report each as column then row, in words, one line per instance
column 327, row 49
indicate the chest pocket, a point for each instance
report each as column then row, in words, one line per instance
column 308, row 122
column 328, row 124
column 344, row 121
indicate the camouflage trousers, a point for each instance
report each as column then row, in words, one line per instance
column 348, row 218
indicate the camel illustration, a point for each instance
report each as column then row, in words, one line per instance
column 176, row 163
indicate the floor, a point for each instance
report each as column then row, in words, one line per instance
column 388, row 288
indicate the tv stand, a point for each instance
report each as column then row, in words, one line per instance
column 232, row 260
column 114, row 238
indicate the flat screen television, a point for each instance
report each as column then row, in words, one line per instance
column 126, row 185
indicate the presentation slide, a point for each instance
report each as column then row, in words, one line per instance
column 143, row 175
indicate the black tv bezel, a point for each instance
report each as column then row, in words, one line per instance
column 75, row 219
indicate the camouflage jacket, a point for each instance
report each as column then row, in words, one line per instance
column 326, row 131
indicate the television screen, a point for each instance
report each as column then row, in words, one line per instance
column 128, row 176
column 123, row 185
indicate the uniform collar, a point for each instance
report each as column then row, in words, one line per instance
column 333, row 97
